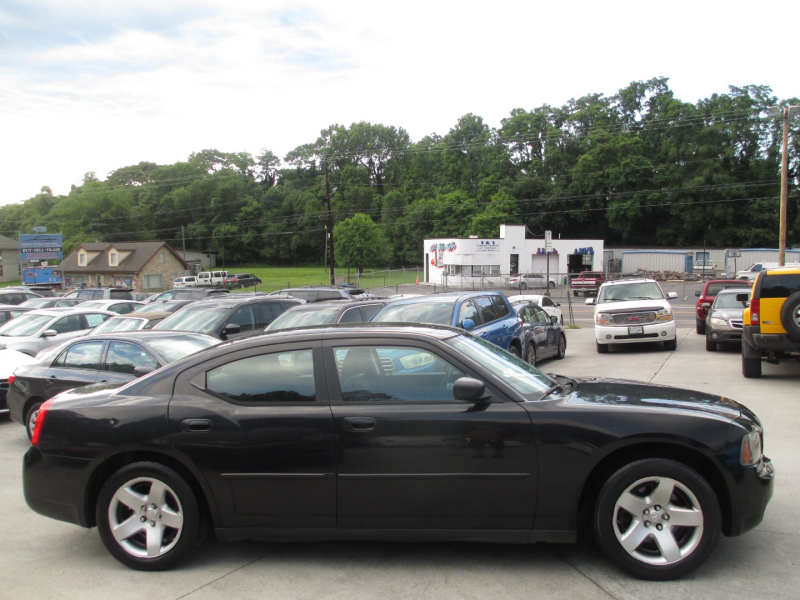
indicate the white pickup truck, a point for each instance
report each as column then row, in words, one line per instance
column 751, row 273
column 212, row 278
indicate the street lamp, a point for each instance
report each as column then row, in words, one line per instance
column 788, row 111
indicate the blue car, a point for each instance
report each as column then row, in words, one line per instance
column 485, row 314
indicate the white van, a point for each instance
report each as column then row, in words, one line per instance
column 751, row 273
column 212, row 278
column 182, row 282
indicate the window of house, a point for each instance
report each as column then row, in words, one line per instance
column 82, row 259
column 162, row 257
column 453, row 269
column 112, row 259
column 152, row 282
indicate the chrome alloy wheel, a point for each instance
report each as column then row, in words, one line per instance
column 145, row 517
column 658, row 521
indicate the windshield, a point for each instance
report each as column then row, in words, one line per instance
column 202, row 319
column 38, row 302
column 646, row 290
column 25, row 325
column 101, row 304
column 302, row 318
column 436, row 313
column 729, row 300
column 176, row 347
column 117, row 325
column 524, row 378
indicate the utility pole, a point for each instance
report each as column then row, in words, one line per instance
column 788, row 111
column 330, row 220
column 183, row 239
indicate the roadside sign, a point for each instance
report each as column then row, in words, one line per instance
column 548, row 241
column 733, row 253
column 40, row 246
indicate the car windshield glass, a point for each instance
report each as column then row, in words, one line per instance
column 202, row 319
column 729, row 300
column 304, row 318
column 24, row 325
column 527, row 380
column 436, row 313
column 646, row 290
column 117, row 325
column 38, row 302
column 93, row 304
column 175, row 348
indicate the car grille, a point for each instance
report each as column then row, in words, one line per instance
column 736, row 323
column 635, row 318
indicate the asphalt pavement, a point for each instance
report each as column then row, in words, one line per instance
column 43, row 559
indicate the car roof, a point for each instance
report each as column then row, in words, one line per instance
column 734, row 290
column 77, row 310
column 148, row 334
column 629, row 280
column 237, row 299
column 145, row 316
column 443, row 297
column 349, row 330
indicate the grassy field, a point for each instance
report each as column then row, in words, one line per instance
column 276, row 278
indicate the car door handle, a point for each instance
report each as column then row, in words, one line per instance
column 358, row 424
column 196, row 425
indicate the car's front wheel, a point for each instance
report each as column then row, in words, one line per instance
column 710, row 346
column 551, row 285
column 602, row 348
column 562, row 346
column 148, row 516
column 523, row 286
column 657, row 519
column 513, row 349
column 531, row 354
column 671, row 344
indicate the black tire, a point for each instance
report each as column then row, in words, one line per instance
column 790, row 316
column 575, row 293
column 638, row 486
column 30, row 418
column 531, row 356
column 710, row 346
column 751, row 367
column 701, row 327
column 176, row 505
column 551, row 285
column 513, row 349
column 561, row 318
column 671, row 344
column 523, row 286
column 562, row 347
column 602, row 348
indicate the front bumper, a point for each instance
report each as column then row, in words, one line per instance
column 727, row 335
column 753, row 492
column 654, row 332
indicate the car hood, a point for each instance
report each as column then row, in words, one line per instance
column 650, row 396
column 11, row 359
column 631, row 305
column 727, row 313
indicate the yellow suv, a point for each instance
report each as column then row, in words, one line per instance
column 772, row 320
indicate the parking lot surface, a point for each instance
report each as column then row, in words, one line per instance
column 42, row 558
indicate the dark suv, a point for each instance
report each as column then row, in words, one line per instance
column 319, row 293
column 16, row 296
column 487, row 315
column 102, row 294
column 333, row 311
column 228, row 318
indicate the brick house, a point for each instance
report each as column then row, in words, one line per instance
column 143, row 266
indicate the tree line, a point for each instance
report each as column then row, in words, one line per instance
column 637, row 168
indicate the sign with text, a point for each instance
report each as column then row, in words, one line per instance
column 40, row 246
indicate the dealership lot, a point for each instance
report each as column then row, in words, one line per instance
column 44, row 558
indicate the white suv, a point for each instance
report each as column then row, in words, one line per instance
column 629, row 311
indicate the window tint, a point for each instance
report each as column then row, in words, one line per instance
column 267, row 312
column 121, row 295
column 547, row 302
column 500, row 307
column 540, row 315
column 277, row 377
column 780, row 286
column 527, row 315
column 486, row 308
column 67, row 324
column 80, row 356
column 369, row 310
column 394, row 374
column 124, row 358
column 94, row 319
column 352, row 315
column 244, row 317
column 468, row 311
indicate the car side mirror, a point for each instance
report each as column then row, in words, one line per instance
column 469, row 390
column 705, row 304
column 558, row 303
column 139, row 371
column 697, row 293
column 672, row 295
column 742, row 297
column 590, row 301
column 554, row 320
column 49, row 333
column 468, row 324
column 230, row 329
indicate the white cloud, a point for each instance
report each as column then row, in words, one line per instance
column 98, row 85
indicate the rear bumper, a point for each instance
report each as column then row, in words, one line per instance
column 781, row 342
column 753, row 491
column 53, row 486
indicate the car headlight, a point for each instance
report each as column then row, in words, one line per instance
column 717, row 322
column 751, row 448
column 665, row 314
column 603, row 319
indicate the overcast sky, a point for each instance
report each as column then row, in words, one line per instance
column 95, row 85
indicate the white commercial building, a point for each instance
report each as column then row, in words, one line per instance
column 457, row 261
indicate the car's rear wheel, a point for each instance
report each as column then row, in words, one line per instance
column 657, row 519
column 30, row 418
column 531, row 354
column 148, row 516
column 575, row 293
column 513, row 349
column 751, row 367
column 710, row 346
column 523, row 286
column 602, row 348
column 551, row 285
column 562, row 346
column 701, row 326
column 671, row 344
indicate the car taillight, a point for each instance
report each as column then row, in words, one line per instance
column 11, row 379
column 37, row 428
column 755, row 309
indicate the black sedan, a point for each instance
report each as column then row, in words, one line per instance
column 396, row 432
column 109, row 358
column 543, row 335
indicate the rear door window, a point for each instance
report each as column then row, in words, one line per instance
column 267, row 312
column 352, row 315
column 93, row 320
column 780, row 286
column 124, row 358
column 486, row 308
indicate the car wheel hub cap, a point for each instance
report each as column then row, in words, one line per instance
column 658, row 521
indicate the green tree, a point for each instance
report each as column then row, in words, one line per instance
column 360, row 243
